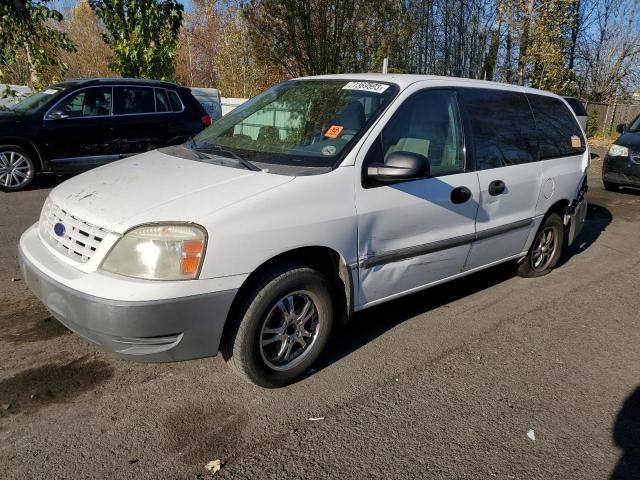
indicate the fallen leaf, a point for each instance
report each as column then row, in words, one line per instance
column 213, row 466
column 531, row 435
column 315, row 419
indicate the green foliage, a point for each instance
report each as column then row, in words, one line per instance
column 592, row 122
column 30, row 28
column 143, row 35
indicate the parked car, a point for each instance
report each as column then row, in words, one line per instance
column 77, row 125
column 621, row 165
column 319, row 198
column 578, row 108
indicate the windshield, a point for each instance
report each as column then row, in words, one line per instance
column 37, row 100
column 302, row 123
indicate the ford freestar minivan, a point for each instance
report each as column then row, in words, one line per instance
column 316, row 199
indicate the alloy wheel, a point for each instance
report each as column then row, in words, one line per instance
column 289, row 331
column 544, row 249
column 15, row 169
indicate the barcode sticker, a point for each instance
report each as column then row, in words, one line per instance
column 366, row 86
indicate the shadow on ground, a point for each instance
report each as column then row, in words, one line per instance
column 32, row 389
column 26, row 322
column 598, row 219
column 626, row 435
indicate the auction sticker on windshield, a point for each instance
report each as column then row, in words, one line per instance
column 366, row 86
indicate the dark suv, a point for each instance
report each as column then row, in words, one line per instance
column 77, row 125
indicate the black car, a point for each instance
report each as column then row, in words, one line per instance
column 77, row 125
column 621, row 167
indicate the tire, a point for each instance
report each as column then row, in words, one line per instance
column 17, row 168
column 545, row 250
column 611, row 187
column 262, row 326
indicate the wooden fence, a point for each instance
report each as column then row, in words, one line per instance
column 611, row 114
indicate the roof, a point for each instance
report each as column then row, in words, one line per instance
column 403, row 80
column 127, row 81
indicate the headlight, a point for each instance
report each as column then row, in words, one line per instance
column 618, row 151
column 158, row 252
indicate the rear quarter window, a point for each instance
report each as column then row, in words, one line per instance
column 174, row 100
column 559, row 134
column 576, row 106
column 502, row 127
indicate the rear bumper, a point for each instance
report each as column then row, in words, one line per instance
column 159, row 330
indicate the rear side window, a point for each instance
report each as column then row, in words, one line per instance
column 559, row 134
column 502, row 127
column 162, row 101
column 132, row 100
column 174, row 100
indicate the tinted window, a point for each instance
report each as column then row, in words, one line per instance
column 502, row 127
column 428, row 123
column 576, row 106
column 91, row 102
column 134, row 100
column 174, row 99
column 162, row 101
column 558, row 131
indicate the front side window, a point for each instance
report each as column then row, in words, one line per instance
column 134, row 100
column 428, row 124
column 90, row 102
column 309, row 123
column 502, row 127
column 559, row 133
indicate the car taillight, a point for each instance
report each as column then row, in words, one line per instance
column 206, row 120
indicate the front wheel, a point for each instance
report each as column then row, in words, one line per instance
column 16, row 168
column 281, row 326
column 545, row 250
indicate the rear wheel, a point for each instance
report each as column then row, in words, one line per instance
column 17, row 168
column 281, row 327
column 612, row 187
column 545, row 250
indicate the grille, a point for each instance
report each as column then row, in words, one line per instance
column 79, row 240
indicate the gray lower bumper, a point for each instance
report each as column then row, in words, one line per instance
column 155, row 331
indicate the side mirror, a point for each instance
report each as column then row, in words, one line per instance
column 621, row 128
column 57, row 115
column 400, row 166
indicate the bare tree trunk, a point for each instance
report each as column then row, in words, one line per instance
column 524, row 41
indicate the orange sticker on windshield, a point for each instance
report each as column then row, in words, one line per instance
column 575, row 141
column 333, row 131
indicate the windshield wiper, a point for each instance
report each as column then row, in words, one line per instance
column 212, row 147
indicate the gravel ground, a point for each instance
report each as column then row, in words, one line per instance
column 442, row 384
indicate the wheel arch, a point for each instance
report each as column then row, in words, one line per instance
column 27, row 145
column 324, row 259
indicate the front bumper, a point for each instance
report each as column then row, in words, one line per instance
column 158, row 330
column 622, row 170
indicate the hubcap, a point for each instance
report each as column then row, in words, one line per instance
column 289, row 331
column 544, row 248
column 14, row 169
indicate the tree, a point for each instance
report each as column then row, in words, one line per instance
column 310, row 37
column 29, row 29
column 91, row 58
column 143, row 35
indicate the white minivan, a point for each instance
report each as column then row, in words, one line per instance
column 314, row 200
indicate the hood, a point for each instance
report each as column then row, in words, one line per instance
column 629, row 139
column 155, row 187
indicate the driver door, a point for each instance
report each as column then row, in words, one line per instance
column 414, row 233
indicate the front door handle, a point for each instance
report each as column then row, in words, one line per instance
column 497, row 187
column 460, row 194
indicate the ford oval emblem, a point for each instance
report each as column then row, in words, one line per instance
column 59, row 229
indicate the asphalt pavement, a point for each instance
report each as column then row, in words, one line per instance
column 491, row 376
